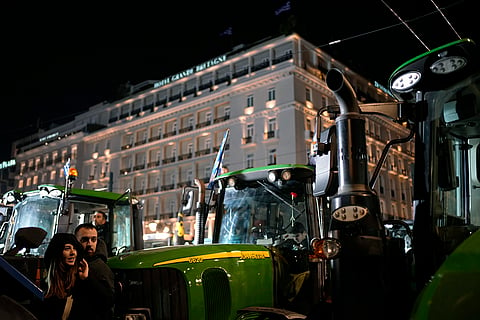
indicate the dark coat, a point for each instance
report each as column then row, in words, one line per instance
column 97, row 300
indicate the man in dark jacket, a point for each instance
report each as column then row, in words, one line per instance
column 100, row 306
column 103, row 228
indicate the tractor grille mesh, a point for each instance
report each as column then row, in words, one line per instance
column 217, row 294
column 160, row 292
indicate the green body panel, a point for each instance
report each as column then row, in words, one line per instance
column 454, row 289
column 249, row 268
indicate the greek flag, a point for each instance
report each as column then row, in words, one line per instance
column 66, row 168
column 227, row 32
column 217, row 166
column 285, row 7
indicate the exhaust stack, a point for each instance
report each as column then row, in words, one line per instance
column 358, row 290
column 352, row 153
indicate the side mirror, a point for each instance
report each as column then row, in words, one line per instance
column 27, row 238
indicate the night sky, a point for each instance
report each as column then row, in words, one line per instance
column 57, row 62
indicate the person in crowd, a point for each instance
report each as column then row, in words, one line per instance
column 295, row 251
column 65, row 283
column 95, row 252
column 101, row 223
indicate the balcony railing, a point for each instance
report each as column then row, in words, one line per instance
column 203, row 124
column 169, row 134
column 125, row 171
column 185, row 156
column 139, row 167
column 221, row 119
column 168, row 187
column 151, row 139
column 153, row 164
column 247, row 140
column 151, row 190
column 168, row 160
column 202, row 152
column 186, row 129
column 127, row 146
column 140, row 142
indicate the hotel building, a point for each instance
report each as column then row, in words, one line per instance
column 165, row 133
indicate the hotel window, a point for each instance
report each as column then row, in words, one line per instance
column 249, row 160
column 392, row 189
column 64, row 156
column 272, row 127
column 249, row 130
column 272, row 124
column 324, row 101
column 381, row 184
column 208, row 171
column 394, row 211
column 74, row 152
column 272, row 156
column 106, row 169
column 171, row 206
column 271, row 94
column 227, row 112
column 308, row 94
column 208, row 144
column 94, row 171
column 157, row 210
column 309, row 126
column 250, row 101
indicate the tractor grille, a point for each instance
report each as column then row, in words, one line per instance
column 217, row 294
column 161, row 293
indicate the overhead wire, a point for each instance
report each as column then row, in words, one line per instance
column 359, row 35
column 446, row 20
column 406, row 25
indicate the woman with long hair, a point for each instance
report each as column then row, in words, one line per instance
column 66, row 269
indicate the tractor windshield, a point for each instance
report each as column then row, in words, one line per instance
column 46, row 210
column 263, row 212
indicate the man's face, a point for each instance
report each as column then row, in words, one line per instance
column 98, row 219
column 299, row 237
column 88, row 239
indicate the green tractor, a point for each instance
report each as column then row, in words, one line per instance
column 35, row 216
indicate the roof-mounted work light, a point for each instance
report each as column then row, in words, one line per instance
column 434, row 70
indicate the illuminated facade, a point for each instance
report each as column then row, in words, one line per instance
column 166, row 133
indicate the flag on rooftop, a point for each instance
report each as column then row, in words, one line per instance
column 227, row 32
column 285, row 7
